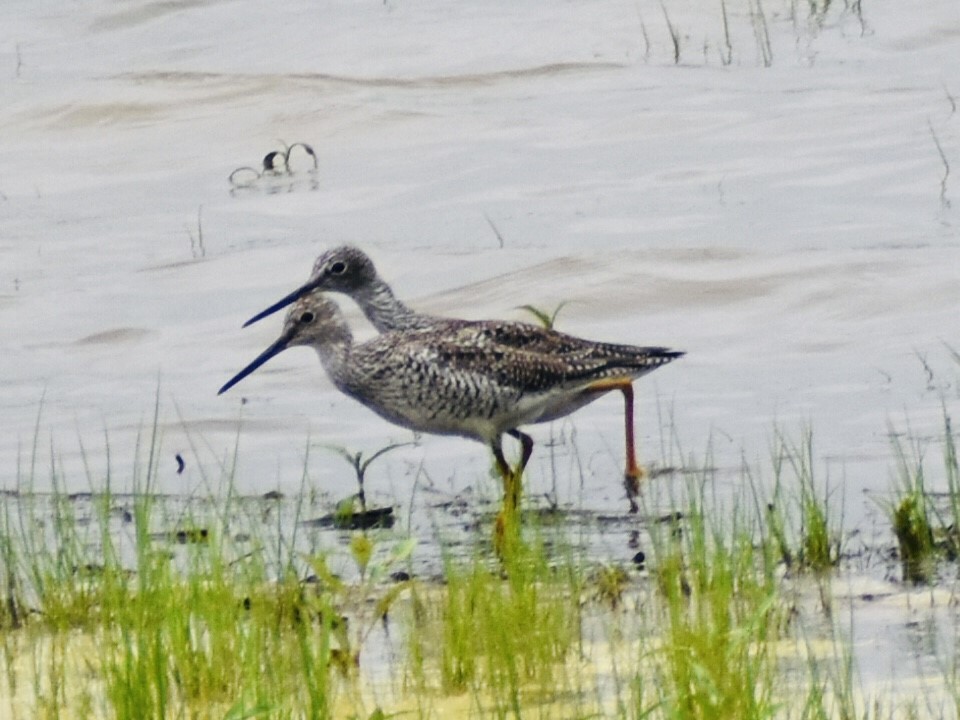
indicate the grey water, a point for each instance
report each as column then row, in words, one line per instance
column 774, row 194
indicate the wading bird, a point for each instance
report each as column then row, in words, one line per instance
column 347, row 269
column 454, row 380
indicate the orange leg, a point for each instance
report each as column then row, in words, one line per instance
column 633, row 473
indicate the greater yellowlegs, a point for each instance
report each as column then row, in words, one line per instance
column 347, row 269
column 454, row 380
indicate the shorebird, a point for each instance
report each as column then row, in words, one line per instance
column 452, row 380
column 348, row 270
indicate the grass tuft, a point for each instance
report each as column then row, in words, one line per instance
column 720, row 616
column 801, row 530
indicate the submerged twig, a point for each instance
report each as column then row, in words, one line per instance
column 247, row 176
column 944, row 202
column 646, row 41
column 307, row 148
column 674, row 35
column 761, row 32
column 727, row 57
column 196, row 243
column 927, row 369
column 244, row 182
column 496, row 230
column 953, row 353
column 857, row 7
column 951, row 99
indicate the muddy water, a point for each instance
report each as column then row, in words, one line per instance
column 792, row 226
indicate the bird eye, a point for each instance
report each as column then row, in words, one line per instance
column 307, row 317
column 338, row 268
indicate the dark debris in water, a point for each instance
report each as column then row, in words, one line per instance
column 184, row 536
column 382, row 518
column 670, row 517
column 276, row 163
column 656, row 472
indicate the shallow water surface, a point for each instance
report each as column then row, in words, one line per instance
column 777, row 203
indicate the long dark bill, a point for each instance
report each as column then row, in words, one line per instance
column 278, row 347
column 281, row 304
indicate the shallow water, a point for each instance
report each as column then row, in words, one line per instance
column 789, row 226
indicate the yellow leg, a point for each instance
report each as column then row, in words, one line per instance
column 512, row 477
column 507, row 525
column 506, row 532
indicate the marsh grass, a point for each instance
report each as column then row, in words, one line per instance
column 912, row 515
column 547, row 319
column 139, row 605
column 501, row 630
column 743, row 31
column 805, row 533
column 925, row 523
column 719, row 613
column 156, row 628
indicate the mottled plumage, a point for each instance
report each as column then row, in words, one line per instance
column 349, row 270
column 449, row 383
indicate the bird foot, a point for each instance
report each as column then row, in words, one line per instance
column 631, row 482
column 512, row 489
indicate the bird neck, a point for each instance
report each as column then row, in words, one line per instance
column 384, row 311
column 334, row 351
